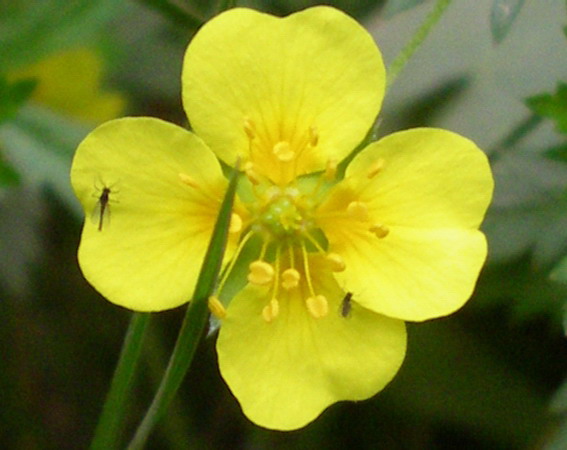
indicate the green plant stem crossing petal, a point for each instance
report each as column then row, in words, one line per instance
column 108, row 427
column 194, row 322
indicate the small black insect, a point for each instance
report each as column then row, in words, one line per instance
column 101, row 212
column 346, row 305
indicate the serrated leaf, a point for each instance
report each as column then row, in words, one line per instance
column 502, row 16
column 394, row 7
column 552, row 106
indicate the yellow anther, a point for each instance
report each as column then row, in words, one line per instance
column 216, row 307
column 261, row 273
column 290, row 278
column 186, row 179
column 313, row 136
column 337, row 263
column 235, row 223
column 375, row 168
column 380, row 230
column 251, row 174
column 318, row 306
column 283, row 151
column 358, row 211
column 249, row 128
column 331, row 169
column 271, row 310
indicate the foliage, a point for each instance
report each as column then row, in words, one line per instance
column 481, row 379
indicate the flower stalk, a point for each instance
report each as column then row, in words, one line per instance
column 415, row 42
column 193, row 324
column 109, row 426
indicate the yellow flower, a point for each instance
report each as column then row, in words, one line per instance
column 396, row 239
column 69, row 83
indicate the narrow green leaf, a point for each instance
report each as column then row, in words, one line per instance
column 394, row 7
column 194, row 323
column 502, row 16
column 111, row 420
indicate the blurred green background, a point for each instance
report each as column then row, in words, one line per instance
column 489, row 377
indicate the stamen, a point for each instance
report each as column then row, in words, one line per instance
column 375, row 168
column 313, row 136
column 337, row 263
column 251, row 174
column 306, row 269
column 318, row 306
column 358, row 211
column 283, row 151
column 271, row 310
column 290, row 278
column 291, row 257
column 261, row 273
column 216, row 307
column 276, row 286
column 249, row 128
column 331, row 169
column 188, row 180
column 381, row 231
column 235, row 223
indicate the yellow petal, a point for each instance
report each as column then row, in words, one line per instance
column 70, row 82
column 286, row 371
column 411, row 274
column 418, row 254
column 148, row 255
column 310, row 84
column 429, row 178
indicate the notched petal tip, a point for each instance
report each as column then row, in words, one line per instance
column 330, row 65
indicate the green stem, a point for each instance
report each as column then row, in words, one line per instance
column 417, row 39
column 193, row 324
column 110, row 423
column 174, row 13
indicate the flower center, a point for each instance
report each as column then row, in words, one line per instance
column 283, row 216
column 283, row 219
